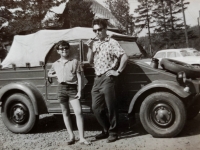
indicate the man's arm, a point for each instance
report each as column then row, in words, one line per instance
column 122, row 65
column 123, row 62
column 90, row 55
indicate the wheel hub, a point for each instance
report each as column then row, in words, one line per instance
column 19, row 113
column 162, row 115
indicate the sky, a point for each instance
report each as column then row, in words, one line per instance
column 191, row 14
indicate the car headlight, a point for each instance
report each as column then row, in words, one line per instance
column 181, row 77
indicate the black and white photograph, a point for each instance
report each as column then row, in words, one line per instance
column 99, row 75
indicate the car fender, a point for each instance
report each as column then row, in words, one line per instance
column 31, row 91
column 157, row 85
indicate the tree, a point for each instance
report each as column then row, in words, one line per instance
column 28, row 13
column 144, row 18
column 121, row 11
column 77, row 13
column 168, row 25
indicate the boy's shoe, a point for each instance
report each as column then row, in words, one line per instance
column 85, row 142
column 70, row 142
column 112, row 138
column 102, row 135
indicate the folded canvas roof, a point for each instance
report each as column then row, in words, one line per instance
column 33, row 48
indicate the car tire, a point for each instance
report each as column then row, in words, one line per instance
column 175, row 66
column 163, row 115
column 18, row 113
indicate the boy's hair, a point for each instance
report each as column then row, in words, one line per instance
column 63, row 43
column 100, row 22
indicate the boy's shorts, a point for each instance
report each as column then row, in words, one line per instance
column 66, row 92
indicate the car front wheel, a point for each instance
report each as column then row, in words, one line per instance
column 163, row 114
column 18, row 113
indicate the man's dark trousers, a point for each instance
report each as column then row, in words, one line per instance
column 103, row 95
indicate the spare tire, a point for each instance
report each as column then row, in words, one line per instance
column 176, row 66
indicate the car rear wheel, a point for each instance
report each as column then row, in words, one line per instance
column 163, row 114
column 18, row 113
column 175, row 66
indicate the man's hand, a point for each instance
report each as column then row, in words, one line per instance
column 89, row 42
column 112, row 73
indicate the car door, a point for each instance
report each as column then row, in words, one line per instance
column 52, row 83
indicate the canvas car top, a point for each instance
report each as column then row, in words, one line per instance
column 33, row 48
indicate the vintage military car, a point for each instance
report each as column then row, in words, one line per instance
column 163, row 100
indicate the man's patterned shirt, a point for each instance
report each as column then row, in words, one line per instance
column 106, row 55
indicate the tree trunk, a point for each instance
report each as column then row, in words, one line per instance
column 40, row 13
column 149, row 33
column 172, row 23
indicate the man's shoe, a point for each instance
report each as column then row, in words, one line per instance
column 102, row 135
column 112, row 138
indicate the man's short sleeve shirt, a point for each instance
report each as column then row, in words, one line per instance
column 106, row 55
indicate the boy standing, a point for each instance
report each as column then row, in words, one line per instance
column 68, row 73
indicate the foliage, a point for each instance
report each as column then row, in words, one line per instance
column 27, row 14
column 145, row 18
column 161, row 15
column 158, row 44
column 77, row 13
column 168, row 24
column 121, row 11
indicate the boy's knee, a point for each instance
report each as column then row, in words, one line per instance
column 66, row 113
column 78, row 112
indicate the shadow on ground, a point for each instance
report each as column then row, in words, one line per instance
column 53, row 123
column 191, row 128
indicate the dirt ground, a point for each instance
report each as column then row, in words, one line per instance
column 51, row 134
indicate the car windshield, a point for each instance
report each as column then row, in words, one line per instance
column 195, row 53
column 131, row 48
column 190, row 53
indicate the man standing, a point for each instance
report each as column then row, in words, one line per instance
column 109, row 61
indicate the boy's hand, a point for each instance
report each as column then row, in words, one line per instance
column 78, row 95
